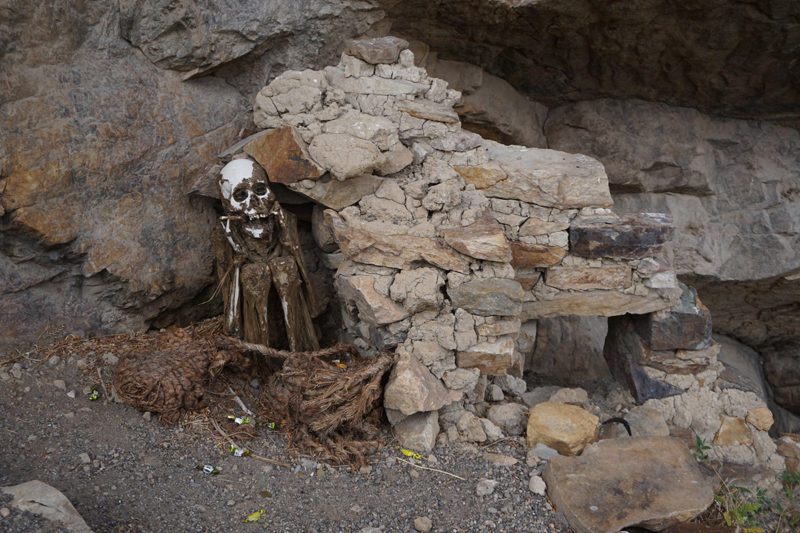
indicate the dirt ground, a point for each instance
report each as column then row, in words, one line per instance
column 124, row 471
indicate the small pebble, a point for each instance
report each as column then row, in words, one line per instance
column 485, row 487
column 423, row 524
column 110, row 359
column 85, row 459
column 60, row 384
column 537, row 485
column 356, row 508
column 5, row 511
column 254, row 383
column 532, row 460
column 53, row 361
column 71, row 394
column 414, row 474
column 146, row 415
column 231, row 503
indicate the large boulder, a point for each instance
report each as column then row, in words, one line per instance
column 649, row 482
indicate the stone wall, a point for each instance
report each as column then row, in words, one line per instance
column 448, row 245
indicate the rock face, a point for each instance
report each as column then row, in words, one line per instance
column 649, row 482
column 554, row 51
column 98, row 146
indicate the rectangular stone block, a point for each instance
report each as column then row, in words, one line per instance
column 631, row 237
column 594, row 303
column 686, row 328
column 586, row 278
column 492, row 358
column 535, row 255
column 488, row 297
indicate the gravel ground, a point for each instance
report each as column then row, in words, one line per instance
column 126, row 472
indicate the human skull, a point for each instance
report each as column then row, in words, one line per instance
column 244, row 189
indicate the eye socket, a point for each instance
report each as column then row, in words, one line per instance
column 240, row 195
column 260, row 188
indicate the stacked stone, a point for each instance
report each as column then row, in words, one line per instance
column 669, row 362
column 447, row 247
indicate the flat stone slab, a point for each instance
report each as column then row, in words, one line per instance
column 539, row 176
column 284, row 156
column 649, row 482
column 594, row 303
column 631, row 237
column 483, row 239
column 376, row 51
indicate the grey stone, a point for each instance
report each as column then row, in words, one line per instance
column 544, row 452
column 539, row 394
column 537, row 485
column 510, row 417
column 418, row 432
column 40, row 498
column 547, row 177
column 511, row 384
column 427, row 110
column 470, row 428
column 345, row 156
column 485, row 487
column 412, row 388
column 488, row 297
column 494, row 393
column 458, row 141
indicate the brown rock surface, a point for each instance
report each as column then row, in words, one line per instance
column 760, row 418
column 585, row 278
column 98, row 145
column 284, row 156
column 491, row 358
column 337, row 194
column 650, row 482
column 535, row 255
column 428, row 110
column 733, row 431
column 565, row 428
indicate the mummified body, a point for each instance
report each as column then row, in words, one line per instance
column 263, row 278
